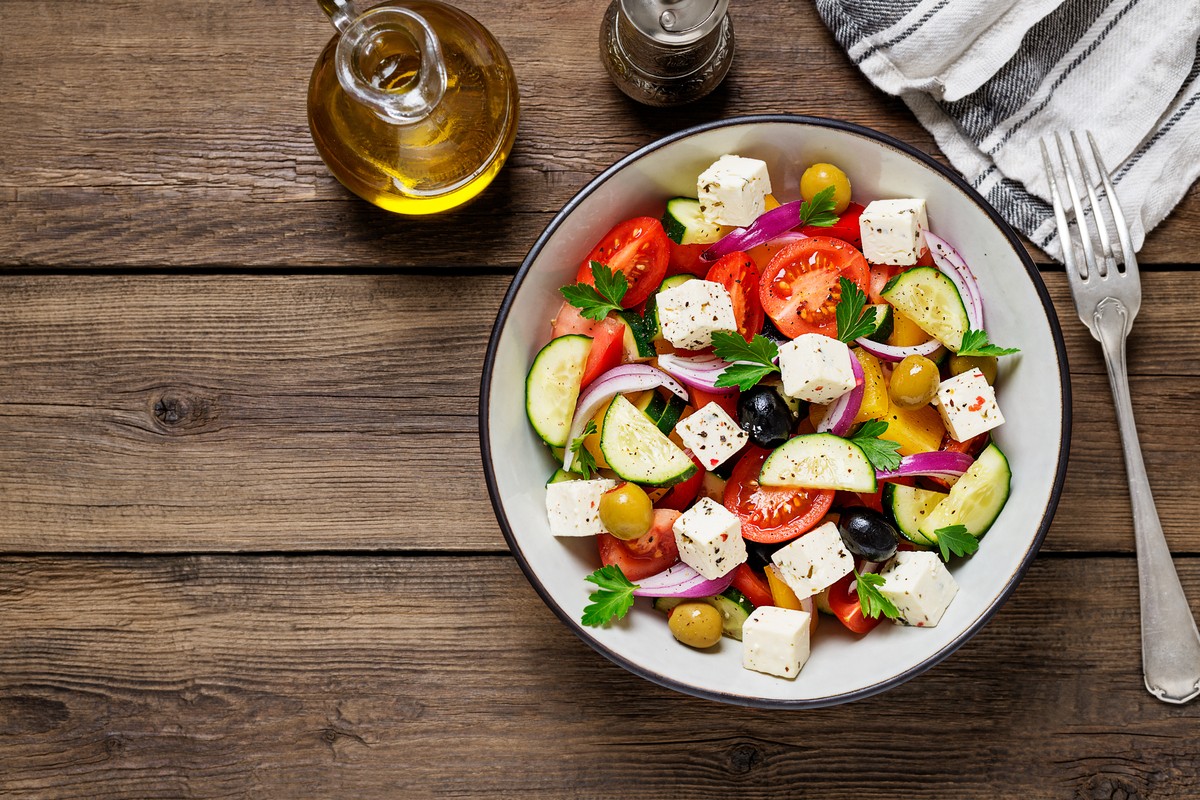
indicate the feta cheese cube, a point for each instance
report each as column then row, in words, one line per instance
column 816, row 368
column 711, row 435
column 776, row 640
column 709, row 537
column 893, row 231
column 920, row 586
column 574, row 506
column 967, row 403
column 814, row 561
column 691, row 311
column 733, row 190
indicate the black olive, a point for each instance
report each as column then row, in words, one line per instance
column 774, row 334
column 867, row 534
column 764, row 415
column 758, row 554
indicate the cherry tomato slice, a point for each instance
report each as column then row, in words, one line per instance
column 772, row 514
column 685, row 259
column 727, row 402
column 800, row 290
column 846, row 228
column 638, row 247
column 647, row 555
column 756, row 589
column 846, row 608
column 739, row 275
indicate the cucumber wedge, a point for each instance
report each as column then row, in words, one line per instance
column 976, row 498
column 684, row 223
column 561, row 476
column 664, row 413
column 734, row 607
column 883, row 323
column 909, row 506
column 931, row 300
column 638, row 451
column 819, row 461
column 552, row 387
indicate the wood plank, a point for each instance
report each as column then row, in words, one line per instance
column 128, row 147
column 298, row 413
column 269, row 677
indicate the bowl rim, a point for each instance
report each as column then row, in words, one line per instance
column 1064, row 441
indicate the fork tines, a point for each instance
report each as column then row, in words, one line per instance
column 1097, row 264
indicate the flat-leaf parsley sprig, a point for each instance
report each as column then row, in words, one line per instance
column 612, row 600
column 975, row 343
column 854, row 318
column 583, row 461
column 955, row 539
column 750, row 362
column 871, row 599
column 819, row 211
column 882, row 453
column 594, row 302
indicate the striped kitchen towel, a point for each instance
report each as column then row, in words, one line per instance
column 989, row 79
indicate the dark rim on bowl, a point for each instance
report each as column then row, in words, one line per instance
column 1064, row 444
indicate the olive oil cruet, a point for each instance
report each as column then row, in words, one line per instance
column 412, row 104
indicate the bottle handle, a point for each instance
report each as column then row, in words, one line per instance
column 396, row 94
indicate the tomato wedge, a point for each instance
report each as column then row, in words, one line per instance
column 645, row 556
column 846, row 228
column 608, row 340
column 771, row 515
column 638, row 247
column 739, row 275
column 800, row 290
column 756, row 589
column 847, row 609
column 685, row 259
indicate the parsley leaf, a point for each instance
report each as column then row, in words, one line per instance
column 871, row 599
column 583, row 462
column 854, row 319
column 613, row 599
column 882, row 453
column 955, row 539
column 750, row 362
column 596, row 301
column 975, row 343
column 819, row 210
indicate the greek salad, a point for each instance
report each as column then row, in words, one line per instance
column 764, row 413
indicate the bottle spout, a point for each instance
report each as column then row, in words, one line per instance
column 389, row 59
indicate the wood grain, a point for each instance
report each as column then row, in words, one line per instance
column 298, row 677
column 130, row 147
column 297, row 413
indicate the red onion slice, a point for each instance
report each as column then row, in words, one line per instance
column 681, row 580
column 891, row 353
column 768, row 226
column 955, row 268
column 939, row 464
column 841, row 416
column 618, row 380
column 700, row 372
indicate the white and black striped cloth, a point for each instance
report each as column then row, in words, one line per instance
column 990, row 77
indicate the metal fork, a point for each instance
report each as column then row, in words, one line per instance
column 1108, row 294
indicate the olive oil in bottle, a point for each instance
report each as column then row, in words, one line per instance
column 413, row 105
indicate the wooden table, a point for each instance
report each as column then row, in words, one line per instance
column 247, row 549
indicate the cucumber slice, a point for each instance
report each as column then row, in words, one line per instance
column 884, row 323
column 664, row 413
column 976, row 498
column 638, row 451
column 734, row 607
column 909, row 507
column 552, row 387
column 561, row 476
column 639, row 334
column 684, row 223
column 931, row 300
column 819, row 461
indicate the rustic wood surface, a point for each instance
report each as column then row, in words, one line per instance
column 245, row 547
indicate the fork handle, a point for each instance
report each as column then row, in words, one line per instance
column 1170, row 641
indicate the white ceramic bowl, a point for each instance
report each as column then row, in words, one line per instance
column 1033, row 392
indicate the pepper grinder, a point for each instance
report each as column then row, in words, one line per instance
column 667, row 52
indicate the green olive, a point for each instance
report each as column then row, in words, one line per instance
column 695, row 624
column 914, row 382
column 822, row 176
column 626, row 511
column 985, row 364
